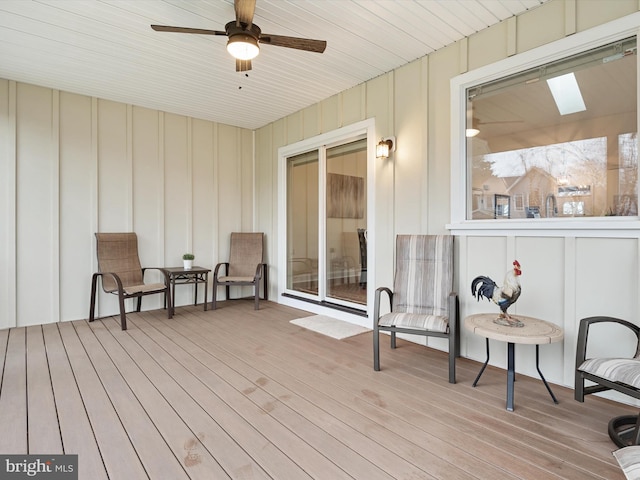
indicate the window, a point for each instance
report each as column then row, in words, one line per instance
column 562, row 134
column 549, row 134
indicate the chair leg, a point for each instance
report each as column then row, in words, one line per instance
column 214, row 295
column 139, row 303
column 452, row 357
column 578, row 392
column 376, row 348
column 123, row 316
column 454, row 346
column 264, row 280
column 256, row 294
column 168, row 298
column 92, row 305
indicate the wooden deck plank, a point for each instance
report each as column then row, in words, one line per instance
column 254, row 397
column 529, row 417
column 397, row 436
column 533, row 435
column 324, row 440
column 307, row 458
column 13, row 396
column 42, row 422
column 270, row 391
column 321, row 367
column 156, row 456
column 75, row 428
column 496, row 416
column 183, row 390
column 136, row 367
column 119, row 456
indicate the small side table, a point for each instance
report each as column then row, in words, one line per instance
column 192, row 276
column 534, row 332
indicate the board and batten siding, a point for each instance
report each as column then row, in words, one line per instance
column 565, row 278
column 73, row 165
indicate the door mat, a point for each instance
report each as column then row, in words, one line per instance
column 329, row 326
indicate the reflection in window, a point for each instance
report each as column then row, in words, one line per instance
column 543, row 158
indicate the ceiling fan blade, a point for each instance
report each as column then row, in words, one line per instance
column 244, row 11
column 201, row 31
column 293, row 42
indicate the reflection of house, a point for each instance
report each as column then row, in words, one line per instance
column 529, row 192
column 537, row 193
column 526, row 192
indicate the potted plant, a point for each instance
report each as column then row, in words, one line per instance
column 188, row 260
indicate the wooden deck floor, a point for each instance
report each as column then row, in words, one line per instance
column 242, row 394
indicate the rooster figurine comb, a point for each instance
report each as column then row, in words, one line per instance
column 503, row 296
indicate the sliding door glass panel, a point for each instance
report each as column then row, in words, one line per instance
column 346, row 222
column 302, row 223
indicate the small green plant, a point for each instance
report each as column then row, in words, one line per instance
column 188, row 256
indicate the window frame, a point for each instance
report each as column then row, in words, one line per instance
column 565, row 47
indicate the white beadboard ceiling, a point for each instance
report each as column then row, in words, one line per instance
column 106, row 49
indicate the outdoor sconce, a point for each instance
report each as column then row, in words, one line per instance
column 385, row 147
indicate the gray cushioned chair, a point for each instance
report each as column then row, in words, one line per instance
column 423, row 301
column 629, row 460
column 122, row 275
column 245, row 266
column 610, row 373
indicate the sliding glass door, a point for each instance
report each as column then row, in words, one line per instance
column 346, row 223
column 327, row 224
column 302, row 223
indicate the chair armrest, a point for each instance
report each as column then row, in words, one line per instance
column 583, row 334
column 259, row 271
column 226, row 269
column 116, row 278
column 376, row 302
column 164, row 272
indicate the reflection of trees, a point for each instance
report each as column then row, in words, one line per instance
column 577, row 163
column 628, row 158
column 626, row 203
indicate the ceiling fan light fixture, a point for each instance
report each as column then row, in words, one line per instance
column 243, row 46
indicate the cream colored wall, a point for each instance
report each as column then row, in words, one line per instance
column 565, row 278
column 72, row 165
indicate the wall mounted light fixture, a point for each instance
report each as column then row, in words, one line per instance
column 385, row 147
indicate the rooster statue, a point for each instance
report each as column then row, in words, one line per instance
column 504, row 296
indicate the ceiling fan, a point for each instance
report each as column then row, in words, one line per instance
column 245, row 37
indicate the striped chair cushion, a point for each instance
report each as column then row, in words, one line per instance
column 629, row 460
column 623, row 370
column 422, row 284
column 417, row 321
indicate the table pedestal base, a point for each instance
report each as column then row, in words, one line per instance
column 511, row 373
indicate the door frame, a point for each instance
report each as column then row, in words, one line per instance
column 329, row 139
